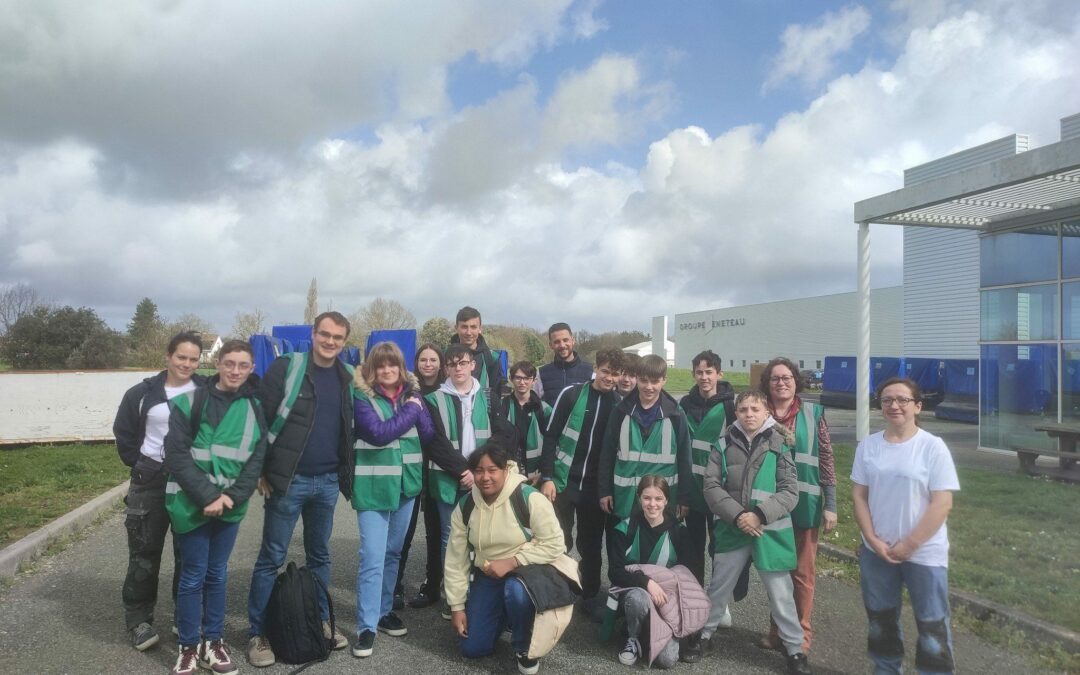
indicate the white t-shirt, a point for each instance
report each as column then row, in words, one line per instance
column 157, row 423
column 899, row 478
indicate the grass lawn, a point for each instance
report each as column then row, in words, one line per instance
column 682, row 380
column 41, row 483
column 1011, row 539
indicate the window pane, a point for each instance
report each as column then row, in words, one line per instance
column 1070, row 382
column 1019, row 257
column 1070, row 308
column 1023, row 313
column 1070, row 249
column 1019, row 391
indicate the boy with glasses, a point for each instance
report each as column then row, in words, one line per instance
column 529, row 415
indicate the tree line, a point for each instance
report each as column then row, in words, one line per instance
column 38, row 335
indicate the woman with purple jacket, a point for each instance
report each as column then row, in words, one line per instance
column 391, row 422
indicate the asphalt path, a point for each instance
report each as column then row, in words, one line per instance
column 66, row 617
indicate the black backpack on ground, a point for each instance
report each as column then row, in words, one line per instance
column 293, row 625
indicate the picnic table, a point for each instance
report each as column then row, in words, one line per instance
column 1067, row 435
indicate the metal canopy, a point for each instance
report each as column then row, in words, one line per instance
column 987, row 196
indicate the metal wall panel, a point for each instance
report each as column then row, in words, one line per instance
column 1070, row 127
column 807, row 329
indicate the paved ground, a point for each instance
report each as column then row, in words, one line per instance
column 66, row 617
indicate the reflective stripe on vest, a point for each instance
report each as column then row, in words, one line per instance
column 639, row 457
column 807, row 514
column 441, row 485
column 381, row 475
column 568, row 439
column 702, row 436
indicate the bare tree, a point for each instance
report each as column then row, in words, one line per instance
column 249, row 323
column 190, row 322
column 312, row 309
column 380, row 314
column 17, row 300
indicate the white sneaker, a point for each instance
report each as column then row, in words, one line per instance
column 630, row 653
column 725, row 621
column 215, row 657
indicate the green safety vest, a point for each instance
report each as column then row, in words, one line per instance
column 774, row 550
column 294, row 377
column 702, row 436
column 807, row 514
column 219, row 452
column 441, row 485
column 568, row 439
column 384, row 473
column 663, row 553
column 640, row 457
column 534, row 440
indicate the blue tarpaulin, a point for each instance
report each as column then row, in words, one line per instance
column 925, row 372
column 295, row 334
column 839, row 374
column 960, row 383
column 266, row 349
column 881, row 369
column 404, row 339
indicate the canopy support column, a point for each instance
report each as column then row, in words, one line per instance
column 862, row 376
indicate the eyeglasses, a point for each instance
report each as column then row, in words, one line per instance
column 901, row 401
column 464, row 363
column 777, row 379
column 330, row 336
column 521, row 378
column 232, row 365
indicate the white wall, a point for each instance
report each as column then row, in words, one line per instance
column 62, row 405
column 807, row 329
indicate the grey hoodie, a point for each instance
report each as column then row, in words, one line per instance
column 468, row 434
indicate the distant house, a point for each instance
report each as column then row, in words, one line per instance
column 645, row 348
column 211, row 345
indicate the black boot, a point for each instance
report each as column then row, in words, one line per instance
column 690, row 649
column 798, row 665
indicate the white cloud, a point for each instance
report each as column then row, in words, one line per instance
column 482, row 205
column 808, row 51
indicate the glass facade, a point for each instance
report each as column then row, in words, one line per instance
column 1029, row 335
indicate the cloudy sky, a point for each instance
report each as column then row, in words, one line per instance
column 596, row 162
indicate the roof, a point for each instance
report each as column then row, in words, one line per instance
column 1019, row 189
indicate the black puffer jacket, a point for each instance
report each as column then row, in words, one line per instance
column 283, row 456
column 558, row 375
column 129, row 427
column 697, row 407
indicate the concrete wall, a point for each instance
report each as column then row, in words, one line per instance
column 62, row 405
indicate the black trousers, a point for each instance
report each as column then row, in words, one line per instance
column 433, row 536
column 699, row 532
column 147, row 524
column 571, row 506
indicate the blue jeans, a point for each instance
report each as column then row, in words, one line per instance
column 382, row 534
column 200, row 596
column 445, row 511
column 313, row 498
column 491, row 604
column 928, row 588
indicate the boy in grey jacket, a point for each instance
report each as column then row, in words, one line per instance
column 751, row 488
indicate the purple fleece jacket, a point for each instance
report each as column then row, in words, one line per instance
column 378, row 432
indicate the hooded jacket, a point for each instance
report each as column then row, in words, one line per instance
column 728, row 499
column 668, row 409
column 697, row 407
column 378, row 432
column 129, row 427
column 283, row 456
column 441, row 451
column 483, row 354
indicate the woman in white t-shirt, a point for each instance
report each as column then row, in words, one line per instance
column 140, row 427
column 903, row 483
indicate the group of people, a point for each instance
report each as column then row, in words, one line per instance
column 501, row 473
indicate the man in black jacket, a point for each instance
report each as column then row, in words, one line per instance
column 307, row 400
column 487, row 369
column 566, row 368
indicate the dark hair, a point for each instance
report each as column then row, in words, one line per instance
column 466, row 313
column 524, row 366
column 423, row 348
column 631, row 364
column 912, row 386
column 711, row 361
column 787, row 363
column 498, row 455
column 556, row 327
column 652, row 367
column 752, row 394
column 336, row 317
column 182, row 337
column 455, row 351
column 231, row 346
column 612, row 357
column 653, row 481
